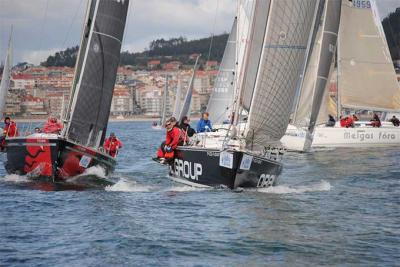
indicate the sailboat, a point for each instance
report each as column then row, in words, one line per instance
column 163, row 114
column 6, row 77
column 366, row 81
column 79, row 146
column 272, row 39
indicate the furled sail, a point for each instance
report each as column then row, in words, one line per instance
column 164, row 102
column 5, row 80
column 366, row 77
column 95, row 73
column 319, row 68
column 251, row 45
column 189, row 93
column 221, row 99
column 289, row 26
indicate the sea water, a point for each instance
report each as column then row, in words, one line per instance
column 336, row 207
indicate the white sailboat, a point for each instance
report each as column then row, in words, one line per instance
column 271, row 44
column 163, row 114
column 366, row 80
column 6, row 77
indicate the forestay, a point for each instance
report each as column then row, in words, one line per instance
column 367, row 78
column 319, row 68
column 5, row 79
column 96, row 71
column 290, row 23
column 221, row 100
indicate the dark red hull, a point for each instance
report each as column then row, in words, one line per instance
column 53, row 157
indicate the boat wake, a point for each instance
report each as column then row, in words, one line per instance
column 284, row 189
column 185, row 188
column 128, row 186
column 15, row 178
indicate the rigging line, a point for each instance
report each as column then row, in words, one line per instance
column 72, row 22
column 213, row 31
column 43, row 25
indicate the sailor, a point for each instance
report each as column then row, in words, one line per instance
column 10, row 128
column 331, row 121
column 355, row 118
column 52, row 126
column 175, row 137
column 204, row 124
column 395, row 121
column 349, row 122
column 38, row 130
column 185, row 126
column 343, row 121
column 112, row 145
column 376, row 122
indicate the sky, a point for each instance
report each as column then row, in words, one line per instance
column 42, row 27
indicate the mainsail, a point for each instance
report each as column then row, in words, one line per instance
column 189, row 93
column 290, row 23
column 366, row 77
column 96, row 72
column 221, row 100
column 319, row 68
column 5, row 80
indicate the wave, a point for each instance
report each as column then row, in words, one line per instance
column 284, row 189
column 128, row 186
column 185, row 188
column 15, row 178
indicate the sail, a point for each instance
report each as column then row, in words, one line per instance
column 319, row 68
column 164, row 103
column 367, row 78
column 253, row 38
column 189, row 93
column 221, row 100
column 178, row 100
column 5, row 79
column 290, row 24
column 97, row 66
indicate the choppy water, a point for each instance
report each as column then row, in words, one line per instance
column 331, row 208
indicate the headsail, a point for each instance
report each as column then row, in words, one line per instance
column 5, row 80
column 178, row 100
column 221, row 99
column 366, row 77
column 96, row 71
column 290, row 23
column 189, row 93
column 319, row 68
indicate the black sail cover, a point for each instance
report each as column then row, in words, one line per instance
column 96, row 70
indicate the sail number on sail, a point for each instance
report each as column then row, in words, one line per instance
column 362, row 3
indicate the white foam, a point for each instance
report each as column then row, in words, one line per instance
column 283, row 189
column 127, row 186
column 14, row 178
column 96, row 171
column 185, row 188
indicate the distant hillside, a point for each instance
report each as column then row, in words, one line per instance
column 164, row 50
column 391, row 25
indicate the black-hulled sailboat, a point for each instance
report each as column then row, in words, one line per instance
column 79, row 147
column 254, row 92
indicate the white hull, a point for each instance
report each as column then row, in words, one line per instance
column 330, row 137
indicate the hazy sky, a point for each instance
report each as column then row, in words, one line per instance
column 37, row 35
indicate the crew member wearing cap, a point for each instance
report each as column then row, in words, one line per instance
column 112, row 145
column 10, row 130
column 174, row 138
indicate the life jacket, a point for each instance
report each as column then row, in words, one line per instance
column 10, row 130
column 112, row 146
column 52, row 126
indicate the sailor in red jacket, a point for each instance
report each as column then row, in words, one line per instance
column 112, row 145
column 52, row 126
column 174, row 138
column 10, row 128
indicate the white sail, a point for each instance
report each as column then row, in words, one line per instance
column 189, row 93
column 221, row 100
column 319, row 68
column 6, row 77
column 178, row 100
column 164, row 102
column 290, row 23
column 366, row 77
